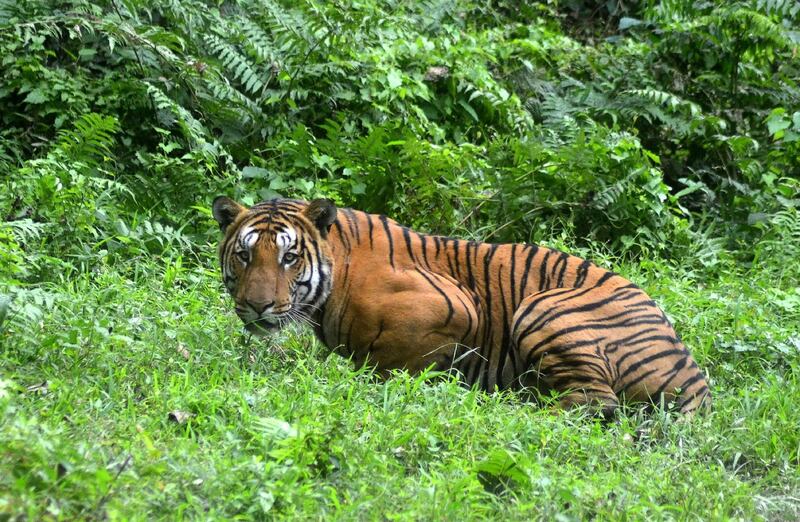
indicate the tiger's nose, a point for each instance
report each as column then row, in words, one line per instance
column 260, row 308
column 282, row 309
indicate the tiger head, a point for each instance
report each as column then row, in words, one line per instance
column 275, row 258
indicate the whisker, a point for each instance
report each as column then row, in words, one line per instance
column 312, row 306
column 307, row 318
column 302, row 317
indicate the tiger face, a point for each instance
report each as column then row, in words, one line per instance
column 275, row 259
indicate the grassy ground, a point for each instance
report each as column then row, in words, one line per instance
column 130, row 393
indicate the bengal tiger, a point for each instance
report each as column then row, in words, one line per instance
column 502, row 316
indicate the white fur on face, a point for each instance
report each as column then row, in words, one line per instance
column 246, row 240
column 285, row 240
column 248, row 237
column 304, row 292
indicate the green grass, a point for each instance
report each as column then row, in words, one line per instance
column 284, row 429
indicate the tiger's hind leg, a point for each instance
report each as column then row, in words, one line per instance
column 598, row 398
column 557, row 357
column 597, row 345
column 577, row 378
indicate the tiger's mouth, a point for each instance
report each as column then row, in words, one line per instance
column 264, row 325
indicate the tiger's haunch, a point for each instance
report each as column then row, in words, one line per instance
column 507, row 316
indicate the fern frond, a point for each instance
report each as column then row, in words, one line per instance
column 236, row 63
column 785, row 9
column 25, row 230
column 257, row 42
column 91, row 138
column 191, row 128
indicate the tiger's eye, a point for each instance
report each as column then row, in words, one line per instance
column 243, row 255
column 289, row 258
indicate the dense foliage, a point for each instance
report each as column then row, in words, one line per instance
column 662, row 133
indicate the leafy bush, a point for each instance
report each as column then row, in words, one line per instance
column 625, row 128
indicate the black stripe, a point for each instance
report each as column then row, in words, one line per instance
column 407, row 238
column 344, row 306
column 385, row 224
column 511, row 276
column 608, row 275
column 523, row 285
column 677, row 367
column 552, row 314
column 689, row 382
column 665, row 338
column 424, row 249
column 701, row 395
column 455, row 257
column 582, row 272
column 573, row 366
column 322, row 281
column 591, row 326
column 352, row 223
column 450, row 310
column 342, row 236
column 649, row 359
column 532, row 304
column 469, row 319
column 505, row 342
column 369, row 222
column 468, row 263
column 533, row 355
column 271, row 216
column 562, row 261
column 544, row 281
column 450, row 265
column 618, row 343
column 487, row 262
column 627, row 386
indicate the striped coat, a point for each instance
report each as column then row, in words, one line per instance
column 506, row 316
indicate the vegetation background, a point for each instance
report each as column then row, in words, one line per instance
column 661, row 139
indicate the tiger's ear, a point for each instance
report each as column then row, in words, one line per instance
column 322, row 212
column 225, row 211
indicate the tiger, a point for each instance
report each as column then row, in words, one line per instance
column 513, row 317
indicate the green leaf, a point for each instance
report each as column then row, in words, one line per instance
column 500, row 471
column 36, row 96
column 5, row 303
column 467, row 107
column 275, row 429
column 626, row 23
column 278, row 184
column 777, row 125
column 87, row 53
column 122, row 228
column 305, row 185
column 776, row 121
column 256, row 172
column 394, row 79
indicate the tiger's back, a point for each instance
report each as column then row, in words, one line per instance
column 502, row 316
